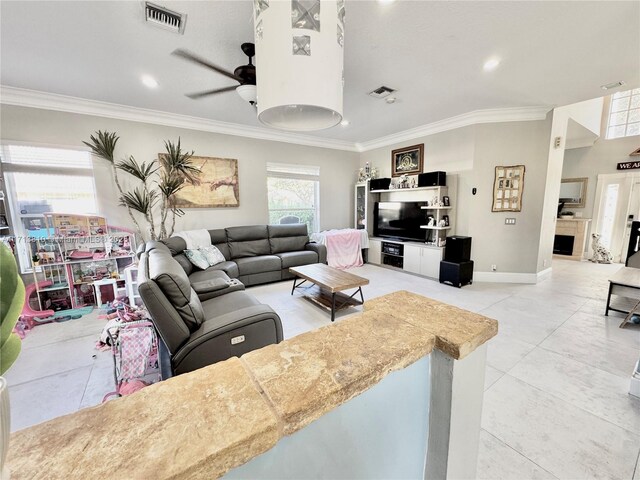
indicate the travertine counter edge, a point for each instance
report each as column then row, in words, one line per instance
column 202, row 424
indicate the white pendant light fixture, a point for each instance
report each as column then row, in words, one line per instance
column 299, row 60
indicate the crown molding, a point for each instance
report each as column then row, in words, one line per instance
column 63, row 103
column 495, row 115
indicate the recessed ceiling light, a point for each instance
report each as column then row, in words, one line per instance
column 609, row 86
column 149, row 82
column 344, row 123
column 385, row 1
column 491, row 64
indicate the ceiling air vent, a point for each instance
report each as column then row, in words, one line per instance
column 381, row 92
column 165, row 18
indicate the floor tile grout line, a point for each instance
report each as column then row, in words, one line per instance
column 13, row 385
column 575, row 406
column 520, row 453
column 625, row 377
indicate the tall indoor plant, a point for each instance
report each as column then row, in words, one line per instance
column 158, row 183
column 12, row 298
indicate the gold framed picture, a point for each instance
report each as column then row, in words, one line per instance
column 508, row 186
column 407, row 161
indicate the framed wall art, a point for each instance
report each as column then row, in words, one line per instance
column 407, row 161
column 507, row 189
column 217, row 185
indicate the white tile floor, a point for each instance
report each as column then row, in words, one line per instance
column 556, row 402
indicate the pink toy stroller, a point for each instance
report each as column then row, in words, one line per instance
column 135, row 357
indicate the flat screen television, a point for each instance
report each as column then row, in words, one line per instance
column 399, row 220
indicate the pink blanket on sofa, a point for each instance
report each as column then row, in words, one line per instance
column 343, row 249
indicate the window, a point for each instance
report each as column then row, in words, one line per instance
column 624, row 114
column 293, row 194
column 41, row 180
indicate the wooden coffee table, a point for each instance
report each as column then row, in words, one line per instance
column 328, row 282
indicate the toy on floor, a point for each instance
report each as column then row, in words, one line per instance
column 27, row 312
column 601, row 254
column 135, row 357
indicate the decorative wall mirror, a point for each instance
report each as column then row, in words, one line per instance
column 573, row 192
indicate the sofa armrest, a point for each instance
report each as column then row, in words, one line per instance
column 321, row 250
column 216, row 287
column 211, row 342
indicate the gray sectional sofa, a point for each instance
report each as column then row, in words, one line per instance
column 254, row 254
column 203, row 322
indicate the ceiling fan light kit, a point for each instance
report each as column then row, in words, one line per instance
column 299, row 54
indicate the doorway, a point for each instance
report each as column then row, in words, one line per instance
column 617, row 204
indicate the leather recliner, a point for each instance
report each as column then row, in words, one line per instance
column 198, row 333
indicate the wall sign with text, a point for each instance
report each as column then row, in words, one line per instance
column 628, row 165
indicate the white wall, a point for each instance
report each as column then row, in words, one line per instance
column 144, row 141
column 588, row 114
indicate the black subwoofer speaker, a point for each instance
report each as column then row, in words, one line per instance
column 456, row 274
column 432, row 179
column 379, row 183
column 457, row 249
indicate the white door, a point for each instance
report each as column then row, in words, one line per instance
column 613, row 197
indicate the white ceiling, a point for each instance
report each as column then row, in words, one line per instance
column 553, row 53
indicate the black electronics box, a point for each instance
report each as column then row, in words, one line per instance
column 456, row 274
column 432, row 179
column 457, row 249
column 379, row 184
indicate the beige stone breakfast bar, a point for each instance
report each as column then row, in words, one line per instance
column 205, row 423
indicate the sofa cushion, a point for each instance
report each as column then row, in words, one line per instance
column 175, row 284
column 228, row 303
column 176, row 245
column 295, row 259
column 197, row 258
column 219, row 240
column 248, row 241
column 213, row 255
column 228, row 268
column 184, row 263
column 287, row 238
column 263, row 263
column 208, row 274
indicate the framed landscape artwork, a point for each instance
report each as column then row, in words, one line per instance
column 407, row 161
column 217, row 187
column 507, row 189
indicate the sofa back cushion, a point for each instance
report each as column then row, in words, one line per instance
column 219, row 240
column 174, row 284
column 248, row 241
column 288, row 238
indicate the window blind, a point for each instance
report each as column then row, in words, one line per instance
column 22, row 157
column 288, row 170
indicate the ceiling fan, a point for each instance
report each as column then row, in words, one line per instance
column 245, row 75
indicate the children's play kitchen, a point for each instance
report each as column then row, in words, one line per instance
column 81, row 264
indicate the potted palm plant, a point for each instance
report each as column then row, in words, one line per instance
column 11, row 303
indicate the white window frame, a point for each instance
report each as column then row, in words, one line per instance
column 9, row 168
column 297, row 172
column 631, row 94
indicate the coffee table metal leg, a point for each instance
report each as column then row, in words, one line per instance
column 333, row 306
column 295, row 279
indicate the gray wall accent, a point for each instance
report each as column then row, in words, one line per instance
column 144, row 141
column 381, row 433
column 471, row 153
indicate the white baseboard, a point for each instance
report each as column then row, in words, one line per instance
column 511, row 277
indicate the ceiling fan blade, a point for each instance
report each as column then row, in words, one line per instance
column 205, row 63
column 210, row 92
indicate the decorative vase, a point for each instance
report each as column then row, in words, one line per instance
column 5, row 428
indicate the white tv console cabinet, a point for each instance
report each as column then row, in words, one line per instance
column 413, row 257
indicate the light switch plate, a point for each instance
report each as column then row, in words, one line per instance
column 509, row 221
